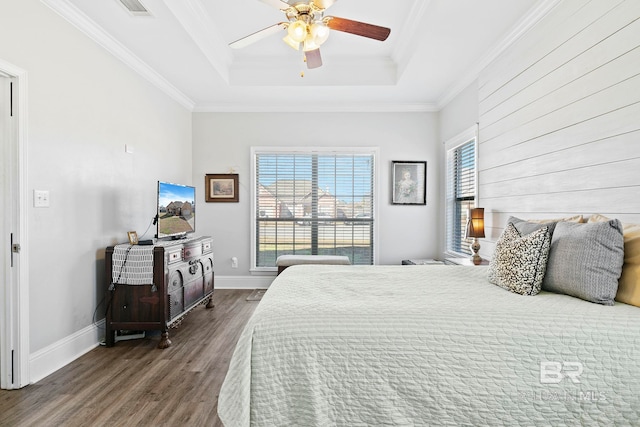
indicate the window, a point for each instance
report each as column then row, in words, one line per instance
column 313, row 203
column 461, row 190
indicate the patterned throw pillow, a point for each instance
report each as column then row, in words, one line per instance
column 519, row 262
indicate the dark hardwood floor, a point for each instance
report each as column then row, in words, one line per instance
column 134, row 383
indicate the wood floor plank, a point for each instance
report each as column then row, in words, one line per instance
column 136, row 384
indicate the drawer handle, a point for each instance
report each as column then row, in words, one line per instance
column 193, row 266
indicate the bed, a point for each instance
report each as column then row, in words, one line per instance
column 429, row 345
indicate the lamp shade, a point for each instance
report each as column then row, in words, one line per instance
column 319, row 32
column 291, row 42
column 309, row 44
column 298, row 31
column 475, row 223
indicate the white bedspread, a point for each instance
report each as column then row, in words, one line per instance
column 429, row 345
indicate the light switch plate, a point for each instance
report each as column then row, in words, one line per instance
column 40, row 198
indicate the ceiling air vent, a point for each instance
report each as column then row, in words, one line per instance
column 135, row 7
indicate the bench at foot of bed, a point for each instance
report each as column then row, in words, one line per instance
column 285, row 261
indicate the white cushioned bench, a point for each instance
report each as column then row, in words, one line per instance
column 285, row 261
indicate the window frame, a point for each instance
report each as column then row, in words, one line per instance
column 374, row 151
column 465, row 137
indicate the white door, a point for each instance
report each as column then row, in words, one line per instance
column 13, row 290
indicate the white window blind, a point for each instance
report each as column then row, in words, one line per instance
column 461, row 194
column 313, row 204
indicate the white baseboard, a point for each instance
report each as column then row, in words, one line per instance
column 46, row 361
column 243, row 282
column 57, row 355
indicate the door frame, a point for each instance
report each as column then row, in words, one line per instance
column 14, row 295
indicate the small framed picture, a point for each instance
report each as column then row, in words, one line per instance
column 222, row 187
column 409, row 182
column 133, row 237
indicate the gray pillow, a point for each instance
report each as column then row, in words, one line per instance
column 585, row 260
column 519, row 262
column 526, row 227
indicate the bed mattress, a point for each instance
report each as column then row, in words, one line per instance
column 429, row 345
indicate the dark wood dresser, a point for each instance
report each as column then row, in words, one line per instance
column 183, row 279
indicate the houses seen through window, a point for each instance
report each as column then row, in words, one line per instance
column 313, row 204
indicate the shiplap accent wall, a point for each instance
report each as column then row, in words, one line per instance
column 559, row 115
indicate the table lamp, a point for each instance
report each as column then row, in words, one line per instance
column 475, row 230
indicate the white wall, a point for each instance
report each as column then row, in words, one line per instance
column 222, row 142
column 460, row 113
column 83, row 107
column 559, row 113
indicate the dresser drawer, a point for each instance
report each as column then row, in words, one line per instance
column 176, row 280
column 207, row 244
column 173, row 254
column 176, row 303
column 193, row 292
column 192, row 250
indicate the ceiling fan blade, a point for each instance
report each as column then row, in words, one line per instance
column 258, row 35
column 359, row 28
column 314, row 60
column 323, row 4
column 282, row 5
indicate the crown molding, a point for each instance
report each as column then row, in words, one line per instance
column 407, row 40
column 535, row 15
column 197, row 23
column 92, row 30
column 320, row 108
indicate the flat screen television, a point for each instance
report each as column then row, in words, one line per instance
column 176, row 210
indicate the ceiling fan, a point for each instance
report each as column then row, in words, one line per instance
column 307, row 27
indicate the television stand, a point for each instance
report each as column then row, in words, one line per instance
column 182, row 279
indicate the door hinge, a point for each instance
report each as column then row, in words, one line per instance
column 15, row 249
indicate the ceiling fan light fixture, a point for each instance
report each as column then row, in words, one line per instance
column 310, row 44
column 298, row 31
column 308, row 28
column 291, row 42
column 319, row 32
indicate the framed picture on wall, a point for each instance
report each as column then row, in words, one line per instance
column 409, row 182
column 221, row 187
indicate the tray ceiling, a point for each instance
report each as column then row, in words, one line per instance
column 436, row 48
